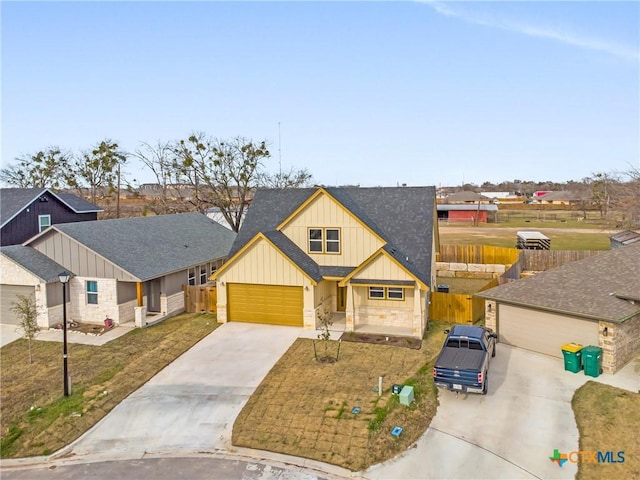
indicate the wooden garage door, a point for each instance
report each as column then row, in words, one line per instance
column 9, row 294
column 272, row 304
column 543, row 332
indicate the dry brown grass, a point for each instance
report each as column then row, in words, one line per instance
column 38, row 420
column 304, row 408
column 608, row 419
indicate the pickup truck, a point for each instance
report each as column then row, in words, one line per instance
column 463, row 362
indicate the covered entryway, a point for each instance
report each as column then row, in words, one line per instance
column 270, row 304
column 543, row 332
column 8, row 295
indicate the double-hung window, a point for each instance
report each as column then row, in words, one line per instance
column 92, row 292
column 324, row 240
column 44, row 222
column 390, row 293
column 395, row 293
column 191, row 276
column 203, row 274
column 315, row 240
column 376, row 292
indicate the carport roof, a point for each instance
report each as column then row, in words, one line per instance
column 33, row 261
column 601, row 287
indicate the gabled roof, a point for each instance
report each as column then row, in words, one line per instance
column 401, row 216
column 33, row 261
column 14, row 200
column 150, row 247
column 562, row 195
column 466, row 196
column 597, row 287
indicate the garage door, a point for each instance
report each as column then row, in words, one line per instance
column 272, row 304
column 543, row 332
column 8, row 295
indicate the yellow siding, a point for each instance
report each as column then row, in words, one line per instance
column 262, row 264
column 357, row 243
column 383, row 268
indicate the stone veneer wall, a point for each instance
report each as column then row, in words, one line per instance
column 490, row 318
column 399, row 317
column 172, row 304
column 620, row 345
column 469, row 270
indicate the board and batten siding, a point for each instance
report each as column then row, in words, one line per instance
column 383, row 268
column 356, row 242
column 78, row 258
column 265, row 265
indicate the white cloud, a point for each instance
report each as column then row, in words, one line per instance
column 568, row 38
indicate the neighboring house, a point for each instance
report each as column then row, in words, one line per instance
column 560, row 198
column 25, row 271
column 460, row 213
column 25, row 212
column 621, row 239
column 595, row 301
column 127, row 269
column 364, row 254
column 466, row 197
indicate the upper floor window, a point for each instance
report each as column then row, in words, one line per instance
column 324, row 240
column 92, row 292
column 44, row 222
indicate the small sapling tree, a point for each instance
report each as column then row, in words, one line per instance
column 25, row 309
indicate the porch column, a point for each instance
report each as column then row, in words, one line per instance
column 139, row 294
column 349, row 313
column 417, row 311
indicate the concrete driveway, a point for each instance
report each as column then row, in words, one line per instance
column 191, row 405
column 8, row 333
column 510, row 433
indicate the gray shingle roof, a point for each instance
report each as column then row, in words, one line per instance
column 33, row 261
column 295, row 254
column 150, row 247
column 466, row 196
column 595, row 287
column 333, row 271
column 14, row 200
column 403, row 216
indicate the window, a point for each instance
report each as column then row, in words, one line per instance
column 376, row 292
column 333, row 240
column 390, row 293
column 92, row 292
column 395, row 293
column 191, row 276
column 315, row 240
column 214, row 267
column 203, row 274
column 44, row 222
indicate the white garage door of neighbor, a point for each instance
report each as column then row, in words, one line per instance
column 543, row 332
column 8, row 295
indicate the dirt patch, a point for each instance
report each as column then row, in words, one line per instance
column 334, row 412
column 390, row 340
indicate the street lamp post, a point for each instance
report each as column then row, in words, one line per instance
column 64, row 279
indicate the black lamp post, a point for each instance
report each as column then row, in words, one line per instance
column 64, row 279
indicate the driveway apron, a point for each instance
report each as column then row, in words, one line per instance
column 192, row 404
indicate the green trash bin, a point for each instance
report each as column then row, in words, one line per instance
column 592, row 357
column 572, row 353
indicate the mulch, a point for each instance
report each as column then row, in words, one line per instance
column 395, row 341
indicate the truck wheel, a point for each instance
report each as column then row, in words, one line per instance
column 485, row 385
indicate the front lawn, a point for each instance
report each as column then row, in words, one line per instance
column 38, row 420
column 305, row 408
column 608, row 419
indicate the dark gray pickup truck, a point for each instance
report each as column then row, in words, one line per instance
column 463, row 362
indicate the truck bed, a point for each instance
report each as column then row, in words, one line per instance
column 460, row 359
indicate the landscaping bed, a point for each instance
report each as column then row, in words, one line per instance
column 306, row 408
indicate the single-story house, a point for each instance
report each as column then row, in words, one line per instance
column 562, row 197
column 25, row 212
column 479, row 213
column 127, row 269
column 595, row 301
column 363, row 254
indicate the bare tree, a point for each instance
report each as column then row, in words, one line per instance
column 25, row 309
column 97, row 169
column 43, row 169
column 290, row 179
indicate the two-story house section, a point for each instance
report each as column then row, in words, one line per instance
column 365, row 254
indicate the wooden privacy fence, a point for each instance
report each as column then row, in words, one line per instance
column 458, row 307
column 200, row 298
column 478, row 254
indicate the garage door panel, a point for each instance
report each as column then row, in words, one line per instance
column 543, row 332
column 269, row 304
column 8, row 295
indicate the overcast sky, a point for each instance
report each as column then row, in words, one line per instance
column 369, row 93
